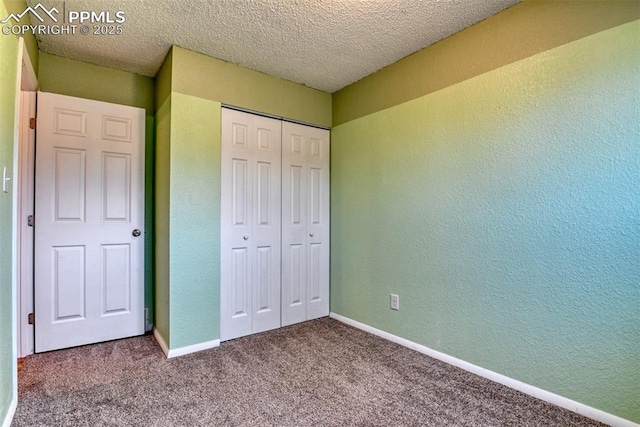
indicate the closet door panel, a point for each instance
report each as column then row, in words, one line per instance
column 266, row 229
column 305, row 223
column 294, row 224
column 236, row 253
column 250, row 224
column 318, row 223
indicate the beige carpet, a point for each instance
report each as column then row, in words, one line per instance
column 319, row 373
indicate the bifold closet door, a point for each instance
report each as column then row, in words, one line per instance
column 250, row 224
column 305, row 223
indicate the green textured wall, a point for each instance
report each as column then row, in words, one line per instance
column 194, row 220
column 162, row 208
column 162, row 197
column 188, row 220
column 17, row 7
column 8, row 84
column 504, row 211
column 83, row 80
column 206, row 77
column 163, row 80
column 8, row 76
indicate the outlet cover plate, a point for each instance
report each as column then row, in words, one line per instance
column 395, row 302
column 5, row 180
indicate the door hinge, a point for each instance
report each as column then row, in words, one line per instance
column 30, row 220
column 31, row 319
column 32, row 123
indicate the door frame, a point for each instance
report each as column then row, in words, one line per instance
column 23, row 188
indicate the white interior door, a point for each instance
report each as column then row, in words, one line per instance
column 89, row 275
column 305, row 223
column 250, row 224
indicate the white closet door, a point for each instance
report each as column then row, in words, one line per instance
column 250, row 224
column 305, row 223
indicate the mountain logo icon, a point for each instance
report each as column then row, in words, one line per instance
column 37, row 11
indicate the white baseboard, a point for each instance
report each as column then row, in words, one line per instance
column 539, row 393
column 176, row 352
column 11, row 412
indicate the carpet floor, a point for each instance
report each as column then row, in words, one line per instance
column 318, row 373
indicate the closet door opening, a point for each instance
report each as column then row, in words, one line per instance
column 274, row 224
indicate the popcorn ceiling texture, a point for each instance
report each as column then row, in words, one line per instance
column 322, row 44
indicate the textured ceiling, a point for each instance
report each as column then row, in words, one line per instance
column 324, row 44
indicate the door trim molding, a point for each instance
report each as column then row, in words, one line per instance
column 547, row 396
column 23, row 262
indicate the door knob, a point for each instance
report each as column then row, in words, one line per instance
column 245, row 237
column 136, row 233
column 310, row 234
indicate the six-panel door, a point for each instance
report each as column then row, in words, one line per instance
column 275, row 224
column 305, row 223
column 89, row 275
column 250, row 224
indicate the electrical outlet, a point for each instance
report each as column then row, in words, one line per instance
column 5, row 180
column 395, row 302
